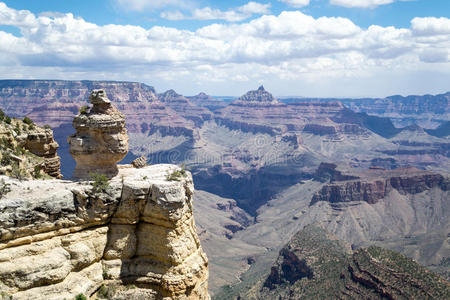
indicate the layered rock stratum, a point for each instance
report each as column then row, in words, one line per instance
column 135, row 239
column 101, row 139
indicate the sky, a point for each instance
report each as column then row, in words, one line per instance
column 310, row 48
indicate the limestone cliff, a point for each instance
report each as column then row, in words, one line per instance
column 134, row 238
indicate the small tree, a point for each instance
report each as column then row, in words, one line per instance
column 100, row 183
column 27, row 120
column 17, row 172
column 84, row 109
column 7, row 120
column 80, row 297
column 37, row 172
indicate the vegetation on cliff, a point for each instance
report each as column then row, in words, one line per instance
column 27, row 150
column 316, row 265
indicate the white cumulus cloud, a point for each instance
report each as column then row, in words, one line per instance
column 207, row 13
column 361, row 3
column 292, row 46
column 142, row 5
column 296, row 3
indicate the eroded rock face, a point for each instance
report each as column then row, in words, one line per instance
column 375, row 184
column 41, row 143
column 101, row 139
column 70, row 240
column 316, row 265
column 41, row 155
column 259, row 95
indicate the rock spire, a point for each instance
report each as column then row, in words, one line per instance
column 101, row 139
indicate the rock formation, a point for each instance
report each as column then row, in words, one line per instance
column 32, row 147
column 375, row 184
column 259, row 95
column 100, row 140
column 315, row 265
column 184, row 107
column 41, row 143
column 134, row 240
column 139, row 162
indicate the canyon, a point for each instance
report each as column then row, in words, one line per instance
column 265, row 167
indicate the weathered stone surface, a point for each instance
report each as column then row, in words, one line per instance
column 139, row 162
column 70, row 240
column 41, row 143
column 100, row 140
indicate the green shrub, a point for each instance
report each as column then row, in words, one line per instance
column 177, row 175
column 6, row 143
column 2, row 115
column 46, row 126
column 19, row 151
column 84, row 109
column 37, row 172
column 5, row 188
column 80, row 297
column 27, row 120
column 6, row 159
column 7, row 120
column 100, row 183
column 31, row 127
column 17, row 172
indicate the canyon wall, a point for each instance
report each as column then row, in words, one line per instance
column 379, row 183
column 134, row 238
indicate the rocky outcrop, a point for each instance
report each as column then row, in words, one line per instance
column 316, row 265
column 139, row 162
column 375, row 184
column 367, row 191
column 259, row 95
column 328, row 172
column 100, row 140
column 27, row 150
column 136, row 238
column 41, row 143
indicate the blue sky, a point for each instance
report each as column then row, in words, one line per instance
column 342, row 48
column 102, row 12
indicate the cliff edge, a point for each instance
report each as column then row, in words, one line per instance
column 132, row 237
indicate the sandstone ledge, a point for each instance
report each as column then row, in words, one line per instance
column 59, row 239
